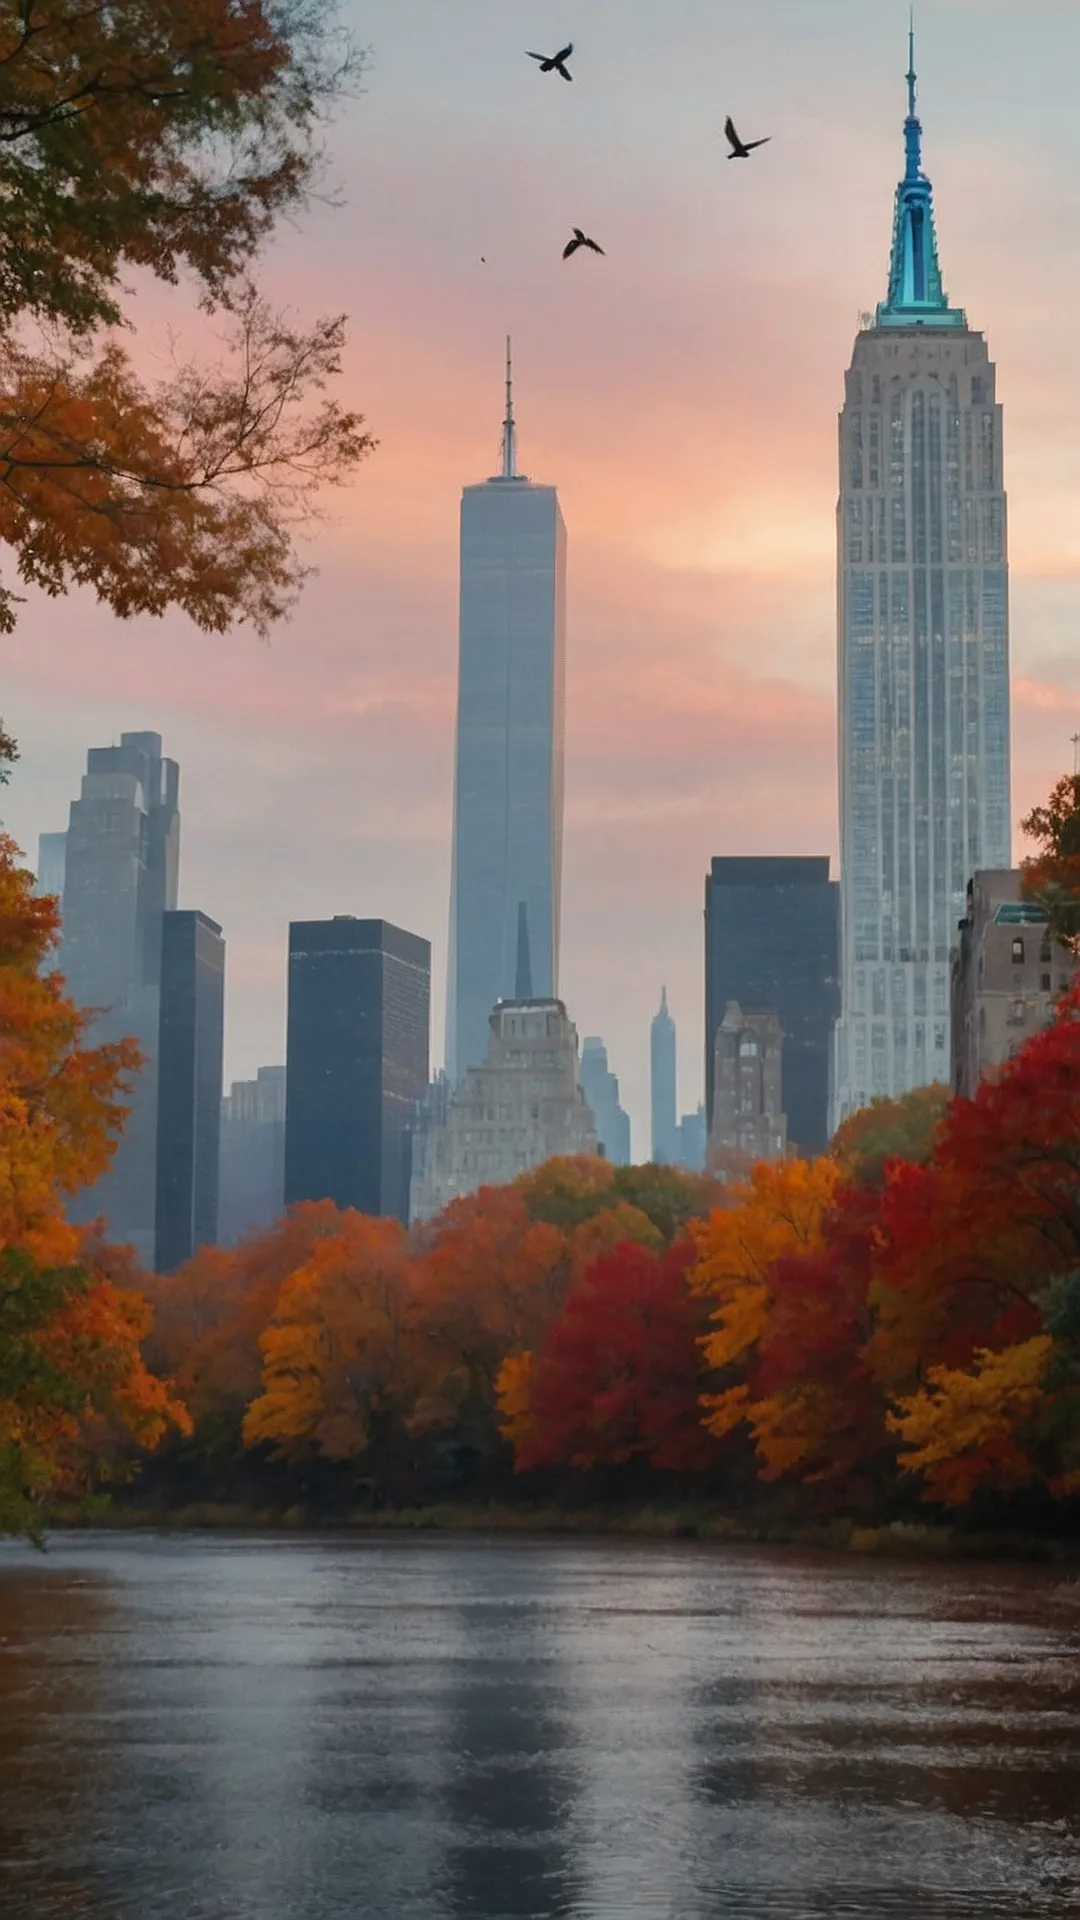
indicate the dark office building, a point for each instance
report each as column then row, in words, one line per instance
column 772, row 940
column 190, row 1040
column 356, row 1061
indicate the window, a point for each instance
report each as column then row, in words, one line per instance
column 1016, row 1014
column 1045, row 983
column 1018, row 951
column 1045, row 954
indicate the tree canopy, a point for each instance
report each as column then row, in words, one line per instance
column 167, row 140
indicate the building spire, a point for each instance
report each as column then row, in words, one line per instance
column 916, row 295
column 509, row 441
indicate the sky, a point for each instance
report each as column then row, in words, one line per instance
column 682, row 393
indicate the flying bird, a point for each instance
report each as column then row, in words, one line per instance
column 556, row 62
column 579, row 240
column 741, row 149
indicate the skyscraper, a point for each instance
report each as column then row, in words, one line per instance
column 190, row 1044
column 120, row 878
column 252, row 1155
column 506, row 879
column 923, row 656
column 52, row 859
column 662, row 1086
column 601, row 1090
column 771, row 942
column 356, row 1061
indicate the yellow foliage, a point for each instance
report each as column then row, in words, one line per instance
column 961, row 1428
column 512, row 1394
column 609, row 1229
column 777, row 1210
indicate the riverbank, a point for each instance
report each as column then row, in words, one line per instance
column 899, row 1539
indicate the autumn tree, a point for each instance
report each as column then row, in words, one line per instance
column 618, row 1377
column 165, row 140
column 73, row 1385
column 336, row 1355
column 898, row 1129
column 1051, row 877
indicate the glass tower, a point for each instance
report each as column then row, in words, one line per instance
column 508, row 781
column 923, row 657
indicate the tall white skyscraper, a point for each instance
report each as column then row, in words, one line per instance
column 508, row 780
column 923, row 657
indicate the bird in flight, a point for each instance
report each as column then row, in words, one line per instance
column 556, row 62
column 741, row 149
column 579, row 240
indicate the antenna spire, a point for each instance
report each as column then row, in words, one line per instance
column 911, row 65
column 509, row 443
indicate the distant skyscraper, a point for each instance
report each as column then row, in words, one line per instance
column 189, row 1086
column 924, row 657
column 121, row 868
column 356, row 1061
column 52, row 859
column 693, row 1140
column 601, row 1090
column 252, row 1155
column 506, row 881
column 662, row 1086
column 771, row 942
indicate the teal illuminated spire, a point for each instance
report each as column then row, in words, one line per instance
column 915, row 294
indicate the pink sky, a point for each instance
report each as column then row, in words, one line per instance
column 682, row 394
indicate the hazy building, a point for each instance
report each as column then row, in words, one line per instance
column 693, row 1141
column 748, row 1117
column 1007, row 974
column 506, row 883
column 601, row 1090
column 52, row 859
column 772, row 940
column 252, row 1155
column 525, row 1106
column 120, row 879
column 356, row 1061
column 663, row 1071
column 190, row 1046
column 924, row 657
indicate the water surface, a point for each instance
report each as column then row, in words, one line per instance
column 251, row 1729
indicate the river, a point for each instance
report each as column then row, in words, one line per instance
column 435, row 1727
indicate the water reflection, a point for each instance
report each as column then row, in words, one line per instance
column 459, row 1730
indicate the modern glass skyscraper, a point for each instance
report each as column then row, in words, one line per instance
column 506, row 880
column 356, row 1061
column 120, row 879
column 190, row 1042
column 923, row 657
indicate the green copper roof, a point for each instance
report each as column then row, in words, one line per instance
column 915, row 291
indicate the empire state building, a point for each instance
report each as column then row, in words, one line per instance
column 923, row 657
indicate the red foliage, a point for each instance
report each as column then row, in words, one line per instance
column 619, row 1375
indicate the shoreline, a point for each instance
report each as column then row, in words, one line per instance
column 907, row 1540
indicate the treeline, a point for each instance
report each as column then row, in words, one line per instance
column 891, row 1327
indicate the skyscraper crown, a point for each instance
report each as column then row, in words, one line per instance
column 916, row 295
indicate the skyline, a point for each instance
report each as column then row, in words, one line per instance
column 695, row 681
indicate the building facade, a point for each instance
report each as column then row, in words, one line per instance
column 1007, row 974
column 772, row 939
column 663, row 1085
column 252, row 1156
column 356, row 1061
column 191, row 1036
column 923, row 657
column 52, row 860
column 693, row 1141
column 525, row 1106
column 120, row 878
column 748, row 1117
column 601, row 1090
column 506, row 882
